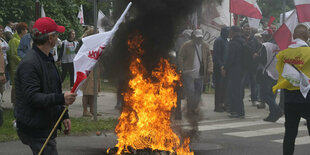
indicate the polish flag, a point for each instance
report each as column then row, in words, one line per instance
column 303, row 10
column 91, row 50
column 81, row 15
column 284, row 35
column 248, row 8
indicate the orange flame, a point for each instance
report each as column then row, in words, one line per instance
column 145, row 119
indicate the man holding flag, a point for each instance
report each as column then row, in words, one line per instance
column 296, row 94
column 39, row 98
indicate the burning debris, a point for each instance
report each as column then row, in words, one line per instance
column 151, row 81
column 145, row 119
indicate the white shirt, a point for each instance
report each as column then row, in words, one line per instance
column 272, row 50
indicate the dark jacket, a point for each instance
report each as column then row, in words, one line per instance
column 235, row 54
column 253, row 46
column 39, row 98
column 220, row 48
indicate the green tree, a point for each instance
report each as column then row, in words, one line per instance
column 64, row 12
column 274, row 8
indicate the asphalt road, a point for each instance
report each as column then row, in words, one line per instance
column 218, row 134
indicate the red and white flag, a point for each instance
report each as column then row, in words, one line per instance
column 81, row 15
column 248, row 8
column 92, row 48
column 284, row 35
column 303, row 10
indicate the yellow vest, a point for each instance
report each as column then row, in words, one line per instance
column 299, row 57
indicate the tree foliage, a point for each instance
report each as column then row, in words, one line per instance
column 274, row 8
column 64, row 12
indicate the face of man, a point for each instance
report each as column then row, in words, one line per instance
column 246, row 30
column 197, row 40
column 11, row 25
column 72, row 35
column 53, row 39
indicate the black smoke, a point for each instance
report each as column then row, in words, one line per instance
column 157, row 21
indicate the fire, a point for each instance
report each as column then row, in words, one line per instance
column 145, row 119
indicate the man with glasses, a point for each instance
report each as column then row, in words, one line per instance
column 39, row 98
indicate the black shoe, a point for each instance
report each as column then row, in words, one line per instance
column 268, row 119
column 235, row 115
column 274, row 117
column 261, row 106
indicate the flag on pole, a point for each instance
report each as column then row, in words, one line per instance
column 303, row 10
column 81, row 15
column 283, row 36
column 248, row 8
column 92, row 48
column 99, row 21
column 42, row 11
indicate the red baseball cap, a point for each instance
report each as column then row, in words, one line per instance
column 47, row 25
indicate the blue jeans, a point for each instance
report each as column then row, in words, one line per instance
column 251, row 76
column 267, row 95
column 193, row 89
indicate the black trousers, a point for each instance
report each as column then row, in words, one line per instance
column 67, row 67
column 293, row 112
column 36, row 144
column 220, row 90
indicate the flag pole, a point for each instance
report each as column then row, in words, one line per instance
column 55, row 126
column 95, row 68
column 284, row 10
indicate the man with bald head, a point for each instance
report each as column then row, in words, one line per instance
column 296, row 105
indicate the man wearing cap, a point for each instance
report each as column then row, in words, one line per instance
column 39, row 98
column 195, row 62
column 234, row 70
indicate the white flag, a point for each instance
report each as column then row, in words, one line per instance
column 81, row 15
column 297, row 79
column 100, row 18
column 42, row 11
column 92, row 48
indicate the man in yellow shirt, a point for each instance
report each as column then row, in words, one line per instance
column 295, row 104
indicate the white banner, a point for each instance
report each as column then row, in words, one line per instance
column 92, row 48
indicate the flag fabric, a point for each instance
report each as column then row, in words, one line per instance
column 253, row 22
column 283, row 36
column 303, row 10
column 294, row 68
column 286, row 15
column 296, row 78
column 271, row 19
column 99, row 20
column 248, row 8
column 81, row 15
column 42, row 11
column 89, row 53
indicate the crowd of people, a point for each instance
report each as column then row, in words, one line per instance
column 244, row 57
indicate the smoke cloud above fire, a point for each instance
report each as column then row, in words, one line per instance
column 157, row 21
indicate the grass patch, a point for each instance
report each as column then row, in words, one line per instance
column 80, row 126
column 7, row 132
